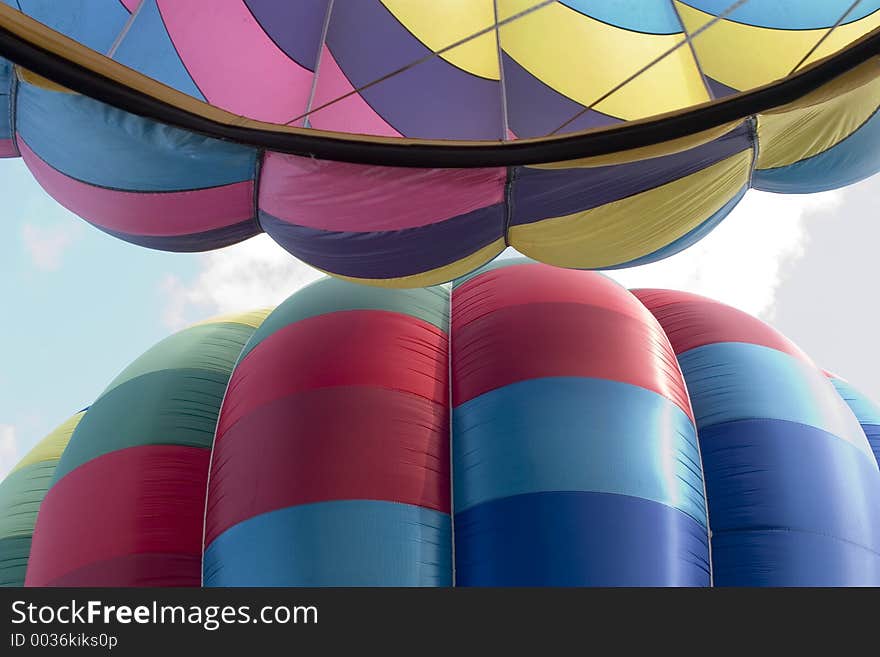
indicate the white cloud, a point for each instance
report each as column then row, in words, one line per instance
column 253, row 274
column 46, row 245
column 742, row 263
column 8, row 449
column 744, row 260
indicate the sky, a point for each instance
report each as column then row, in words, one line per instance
column 78, row 305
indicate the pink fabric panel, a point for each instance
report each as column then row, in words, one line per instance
column 533, row 282
column 234, row 62
column 132, row 5
column 353, row 114
column 356, row 197
column 7, row 148
column 140, row 213
column 690, row 321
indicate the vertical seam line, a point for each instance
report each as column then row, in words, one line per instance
column 322, row 43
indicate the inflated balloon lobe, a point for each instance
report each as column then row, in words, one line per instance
column 793, row 487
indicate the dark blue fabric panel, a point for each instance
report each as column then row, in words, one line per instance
column 872, row 431
column 790, row 504
column 780, row 558
column 579, row 539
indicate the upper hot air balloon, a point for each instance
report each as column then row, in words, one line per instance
column 405, row 143
column 532, row 426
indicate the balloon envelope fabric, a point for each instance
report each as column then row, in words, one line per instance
column 791, row 479
column 21, row 494
column 575, row 453
column 866, row 410
column 280, row 90
column 126, row 501
column 528, row 426
column 336, row 422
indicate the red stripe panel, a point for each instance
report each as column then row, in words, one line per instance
column 692, row 321
column 526, row 283
column 342, row 443
column 140, row 500
column 537, row 340
column 144, row 569
column 352, row 347
column 157, row 214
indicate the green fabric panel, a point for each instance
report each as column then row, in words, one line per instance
column 14, row 553
column 21, row 494
column 430, row 304
column 212, row 347
column 169, row 407
column 497, row 263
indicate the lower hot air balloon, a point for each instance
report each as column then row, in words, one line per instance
column 21, row 494
column 529, row 426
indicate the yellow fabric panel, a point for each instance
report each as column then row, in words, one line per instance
column 645, row 152
column 635, row 226
column 786, row 138
column 552, row 41
column 51, row 447
column 744, row 56
column 440, row 24
column 435, row 276
column 250, row 318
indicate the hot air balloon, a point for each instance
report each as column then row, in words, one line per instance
column 530, row 425
column 21, row 494
column 405, row 144
column 769, row 425
column 127, row 495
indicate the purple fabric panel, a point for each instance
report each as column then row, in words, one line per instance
column 432, row 100
column 352, row 113
column 543, row 193
column 719, row 89
column 535, row 109
column 295, row 27
column 192, row 243
column 388, row 254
